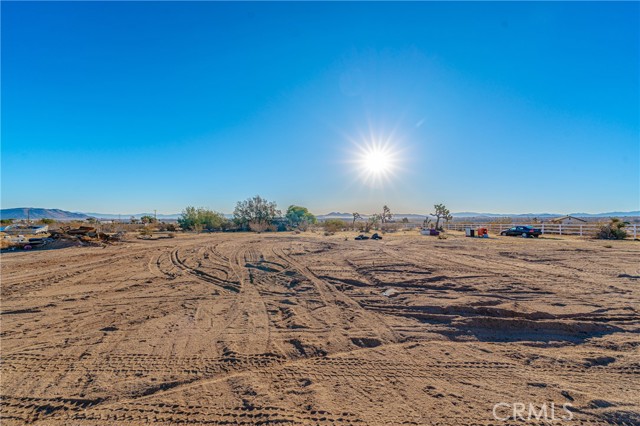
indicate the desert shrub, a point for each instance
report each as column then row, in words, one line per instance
column 255, row 213
column 171, row 227
column 145, row 231
column 276, row 228
column 333, row 225
column 197, row 219
column 390, row 227
column 258, row 226
column 614, row 230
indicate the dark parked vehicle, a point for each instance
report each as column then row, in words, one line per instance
column 376, row 236
column 522, row 231
column 362, row 237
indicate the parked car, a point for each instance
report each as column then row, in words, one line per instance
column 362, row 237
column 376, row 236
column 522, row 231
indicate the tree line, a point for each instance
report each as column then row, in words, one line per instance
column 258, row 214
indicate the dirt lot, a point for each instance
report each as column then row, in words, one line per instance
column 295, row 329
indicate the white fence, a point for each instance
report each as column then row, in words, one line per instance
column 587, row 229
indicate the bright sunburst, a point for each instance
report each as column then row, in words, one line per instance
column 376, row 162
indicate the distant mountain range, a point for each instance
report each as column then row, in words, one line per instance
column 413, row 216
column 539, row 215
column 136, row 215
column 36, row 213
column 40, row 213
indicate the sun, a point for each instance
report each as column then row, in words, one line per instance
column 376, row 162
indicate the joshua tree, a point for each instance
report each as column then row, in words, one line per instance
column 426, row 222
column 614, row 230
column 386, row 214
column 441, row 213
column 356, row 216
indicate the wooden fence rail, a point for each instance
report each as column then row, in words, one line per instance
column 586, row 229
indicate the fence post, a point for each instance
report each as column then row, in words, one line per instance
column 635, row 231
column 542, row 230
column 581, row 230
column 560, row 229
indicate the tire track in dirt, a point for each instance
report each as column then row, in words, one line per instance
column 169, row 351
column 248, row 325
column 339, row 368
column 333, row 298
column 202, row 275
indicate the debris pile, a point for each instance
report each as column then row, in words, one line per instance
column 88, row 235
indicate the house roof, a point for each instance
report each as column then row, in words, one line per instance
column 561, row 218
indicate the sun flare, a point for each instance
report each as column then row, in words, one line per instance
column 376, row 163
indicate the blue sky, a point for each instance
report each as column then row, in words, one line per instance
column 123, row 107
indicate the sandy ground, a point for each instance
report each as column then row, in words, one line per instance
column 295, row 329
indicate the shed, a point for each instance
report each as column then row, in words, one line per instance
column 568, row 220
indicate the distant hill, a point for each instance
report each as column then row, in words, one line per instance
column 414, row 217
column 128, row 215
column 21, row 213
column 63, row 215
column 547, row 215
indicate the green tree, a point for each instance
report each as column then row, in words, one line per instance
column 188, row 218
column 92, row 220
column 47, row 221
column 441, row 213
column 255, row 213
column 6, row 221
column 148, row 219
column 197, row 219
column 298, row 216
column 405, row 220
column 212, row 220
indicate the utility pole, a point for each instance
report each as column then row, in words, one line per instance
column 28, row 216
column 155, row 215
